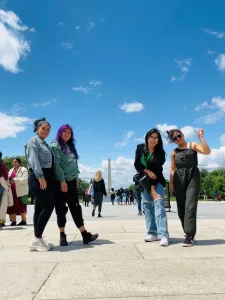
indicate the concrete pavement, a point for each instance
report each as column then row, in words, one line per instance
column 119, row 265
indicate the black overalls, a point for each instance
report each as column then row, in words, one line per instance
column 187, row 188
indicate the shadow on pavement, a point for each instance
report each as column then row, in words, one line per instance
column 212, row 242
column 78, row 245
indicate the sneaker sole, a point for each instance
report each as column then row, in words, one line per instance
column 150, row 241
column 164, row 245
column 187, row 245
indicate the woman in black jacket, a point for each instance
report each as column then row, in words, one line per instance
column 149, row 160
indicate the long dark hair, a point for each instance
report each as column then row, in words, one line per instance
column 70, row 143
column 159, row 151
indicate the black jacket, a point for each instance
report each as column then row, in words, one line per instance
column 154, row 164
column 99, row 187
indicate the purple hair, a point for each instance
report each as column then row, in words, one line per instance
column 70, row 143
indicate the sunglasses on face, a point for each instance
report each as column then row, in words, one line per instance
column 177, row 137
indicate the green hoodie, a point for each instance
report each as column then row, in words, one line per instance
column 66, row 167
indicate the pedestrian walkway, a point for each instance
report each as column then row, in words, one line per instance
column 119, row 265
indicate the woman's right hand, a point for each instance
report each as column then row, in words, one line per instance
column 171, row 189
column 64, row 187
column 43, row 183
column 150, row 174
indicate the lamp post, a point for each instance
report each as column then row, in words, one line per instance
column 109, row 176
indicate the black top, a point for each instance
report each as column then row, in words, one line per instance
column 154, row 164
column 99, row 187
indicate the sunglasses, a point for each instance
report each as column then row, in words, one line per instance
column 177, row 137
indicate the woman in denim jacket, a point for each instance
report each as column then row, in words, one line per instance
column 153, row 154
column 41, row 182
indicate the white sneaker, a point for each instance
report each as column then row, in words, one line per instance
column 38, row 245
column 164, row 241
column 151, row 238
column 48, row 244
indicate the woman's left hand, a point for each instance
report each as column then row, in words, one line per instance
column 200, row 133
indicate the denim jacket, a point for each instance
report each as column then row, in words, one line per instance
column 38, row 155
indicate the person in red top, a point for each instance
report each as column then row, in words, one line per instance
column 3, row 169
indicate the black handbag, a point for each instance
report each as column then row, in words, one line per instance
column 145, row 182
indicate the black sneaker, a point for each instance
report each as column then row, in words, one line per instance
column 188, row 242
column 63, row 240
column 89, row 238
column 93, row 213
column 99, row 215
column 13, row 223
column 22, row 223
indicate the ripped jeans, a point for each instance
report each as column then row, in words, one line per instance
column 155, row 213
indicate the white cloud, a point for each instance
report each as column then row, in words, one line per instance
column 13, row 46
column 219, row 35
column 222, row 140
column 66, row 45
column 61, row 24
column 10, row 125
column 132, row 107
column 46, row 103
column 92, row 84
column 220, row 62
column 213, row 161
column 183, row 66
column 82, row 89
column 90, row 26
column 32, row 30
column 188, row 131
column 216, row 113
column 126, row 140
column 95, row 83
column 99, row 95
column 202, row 106
column 77, row 27
column 211, row 52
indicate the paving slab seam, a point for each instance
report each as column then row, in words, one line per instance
column 137, row 297
column 53, row 269
column 138, row 250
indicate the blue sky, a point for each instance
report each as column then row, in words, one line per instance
column 113, row 70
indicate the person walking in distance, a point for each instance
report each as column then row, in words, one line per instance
column 112, row 195
column 149, row 156
column 185, row 179
column 41, row 182
column 138, row 192
column 18, row 178
column 66, row 171
column 98, row 188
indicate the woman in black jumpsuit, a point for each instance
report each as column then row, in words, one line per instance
column 185, row 180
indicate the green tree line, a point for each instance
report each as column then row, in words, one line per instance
column 8, row 162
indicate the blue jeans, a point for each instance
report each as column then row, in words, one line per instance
column 155, row 213
column 138, row 197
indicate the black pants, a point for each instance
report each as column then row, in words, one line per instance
column 44, row 201
column 71, row 198
column 187, row 202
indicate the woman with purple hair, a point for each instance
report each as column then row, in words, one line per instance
column 66, row 169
